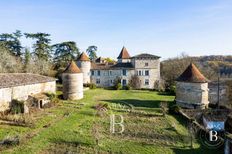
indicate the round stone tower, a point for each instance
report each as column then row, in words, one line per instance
column 192, row 89
column 84, row 64
column 72, row 79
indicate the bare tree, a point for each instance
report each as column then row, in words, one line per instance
column 135, row 82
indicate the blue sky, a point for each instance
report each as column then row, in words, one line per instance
column 161, row 27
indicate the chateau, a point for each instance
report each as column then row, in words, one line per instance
column 145, row 67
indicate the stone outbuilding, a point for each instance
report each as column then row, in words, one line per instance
column 19, row 86
column 192, row 89
column 83, row 62
column 72, row 79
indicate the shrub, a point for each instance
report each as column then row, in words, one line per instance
column 17, row 106
column 86, row 84
column 127, row 87
column 174, row 109
column 118, row 86
column 159, row 85
column 92, row 86
column 50, row 95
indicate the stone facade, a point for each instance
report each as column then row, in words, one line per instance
column 147, row 75
column 22, row 92
column 192, row 95
column 145, row 66
column 85, row 69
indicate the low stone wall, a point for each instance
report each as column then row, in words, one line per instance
column 22, row 92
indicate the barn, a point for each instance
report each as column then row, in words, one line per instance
column 21, row 85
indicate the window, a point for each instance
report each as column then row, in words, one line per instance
column 124, row 82
column 140, row 73
column 147, row 73
column 146, row 64
column 92, row 73
column 123, row 72
column 98, row 81
column 110, row 73
column 98, row 73
column 111, row 81
column 146, row 81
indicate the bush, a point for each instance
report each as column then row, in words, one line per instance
column 127, row 87
column 118, row 86
column 50, row 95
column 86, row 84
column 92, row 86
column 174, row 109
column 17, row 106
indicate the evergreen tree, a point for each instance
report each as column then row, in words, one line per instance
column 12, row 42
column 65, row 52
column 42, row 48
column 91, row 51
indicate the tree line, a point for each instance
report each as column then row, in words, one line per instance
column 42, row 57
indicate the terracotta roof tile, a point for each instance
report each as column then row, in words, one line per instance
column 19, row 79
column 124, row 54
column 72, row 68
column 192, row 74
column 83, row 57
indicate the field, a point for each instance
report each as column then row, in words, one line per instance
column 77, row 127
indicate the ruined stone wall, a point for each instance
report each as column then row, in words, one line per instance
column 192, row 95
column 22, row 92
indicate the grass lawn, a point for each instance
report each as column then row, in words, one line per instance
column 71, row 127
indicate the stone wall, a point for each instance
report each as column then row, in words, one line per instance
column 72, row 86
column 192, row 95
column 22, row 92
column 154, row 71
column 85, row 69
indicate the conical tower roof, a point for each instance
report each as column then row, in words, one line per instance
column 83, row 57
column 124, row 54
column 192, row 74
column 72, row 68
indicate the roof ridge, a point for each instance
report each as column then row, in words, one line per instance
column 72, row 68
column 124, row 54
column 83, row 57
column 192, row 74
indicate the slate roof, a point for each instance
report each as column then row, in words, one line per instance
column 122, row 65
column 8, row 80
column 192, row 74
column 72, row 68
column 108, row 66
column 83, row 57
column 146, row 55
column 124, row 54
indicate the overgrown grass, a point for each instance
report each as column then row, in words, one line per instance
column 68, row 127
